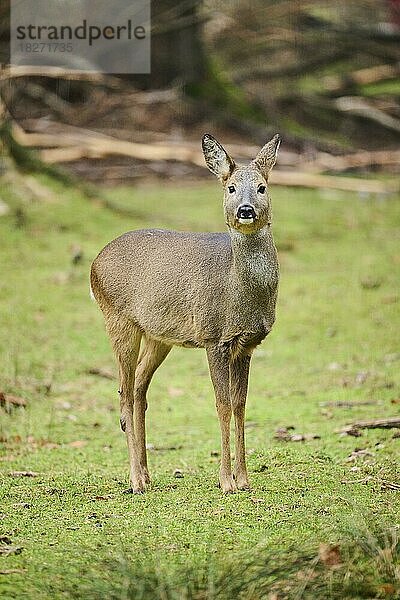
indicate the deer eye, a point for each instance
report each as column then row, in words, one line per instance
column 231, row 189
column 261, row 189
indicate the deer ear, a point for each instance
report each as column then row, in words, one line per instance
column 217, row 159
column 266, row 158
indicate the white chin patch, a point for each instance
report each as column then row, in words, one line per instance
column 248, row 221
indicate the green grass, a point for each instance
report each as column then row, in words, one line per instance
column 335, row 340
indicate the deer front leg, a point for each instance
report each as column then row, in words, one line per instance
column 219, row 372
column 239, row 376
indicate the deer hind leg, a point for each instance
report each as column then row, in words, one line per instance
column 151, row 357
column 219, row 372
column 239, row 376
column 125, row 338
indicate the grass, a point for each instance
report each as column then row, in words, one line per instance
column 335, row 340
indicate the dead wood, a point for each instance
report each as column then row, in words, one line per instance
column 61, row 73
column 356, row 160
column 378, row 423
column 362, row 108
column 70, row 144
column 388, row 423
column 61, row 134
column 75, row 146
column 313, row 180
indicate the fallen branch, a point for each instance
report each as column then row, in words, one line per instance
column 364, row 480
column 278, row 177
column 373, row 424
column 378, row 423
column 63, row 135
column 56, row 104
column 61, row 73
column 314, row 180
column 77, row 144
column 360, row 107
column 356, row 160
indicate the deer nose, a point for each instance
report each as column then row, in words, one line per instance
column 246, row 211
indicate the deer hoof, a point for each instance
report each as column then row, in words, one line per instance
column 228, row 486
column 138, row 482
column 139, row 487
column 244, row 487
column 134, row 490
column 242, row 484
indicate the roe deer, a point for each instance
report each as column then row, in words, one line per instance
column 199, row 290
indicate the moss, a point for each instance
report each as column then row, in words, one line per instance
column 219, row 91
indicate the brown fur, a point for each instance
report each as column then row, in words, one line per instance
column 209, row 290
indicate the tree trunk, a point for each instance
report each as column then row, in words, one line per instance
column 177, row 54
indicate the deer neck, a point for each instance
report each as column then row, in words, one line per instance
column 255, row 262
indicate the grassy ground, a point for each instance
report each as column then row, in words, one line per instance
column 335, row 341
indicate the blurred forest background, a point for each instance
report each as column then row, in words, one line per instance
column 324, row 75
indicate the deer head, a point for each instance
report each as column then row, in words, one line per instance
column 247, row 205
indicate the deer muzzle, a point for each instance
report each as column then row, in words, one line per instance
column 246, row 214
